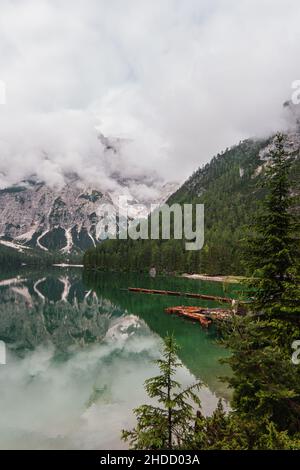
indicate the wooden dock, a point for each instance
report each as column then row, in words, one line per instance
column 182, row 294
column 205, row 316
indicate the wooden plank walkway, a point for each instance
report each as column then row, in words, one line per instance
column 182, row 294
column 203, row 315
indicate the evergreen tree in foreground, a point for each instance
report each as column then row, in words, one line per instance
column 168, row 424
column 273, row 248
column 265, row 382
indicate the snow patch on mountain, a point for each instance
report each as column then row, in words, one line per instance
column 65, row 219
column 13, row 245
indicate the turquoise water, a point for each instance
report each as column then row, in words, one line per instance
column 79, row 347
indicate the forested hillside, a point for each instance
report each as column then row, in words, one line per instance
column 229, row 188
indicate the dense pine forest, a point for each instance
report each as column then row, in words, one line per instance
column 265, row 405
column 230, row 187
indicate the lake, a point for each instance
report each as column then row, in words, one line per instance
column 79, row 347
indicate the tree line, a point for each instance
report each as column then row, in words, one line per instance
column 231, row 188
column 265, row 382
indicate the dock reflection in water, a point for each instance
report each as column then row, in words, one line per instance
column 78, row 351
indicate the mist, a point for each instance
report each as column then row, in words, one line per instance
column 85, row 401
column 174, row 82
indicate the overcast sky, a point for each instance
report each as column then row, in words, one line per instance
column 181, row 80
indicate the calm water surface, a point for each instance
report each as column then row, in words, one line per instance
column 79, row 348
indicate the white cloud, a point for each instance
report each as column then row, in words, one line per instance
column 179, row 80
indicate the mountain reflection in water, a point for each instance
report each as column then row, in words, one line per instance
column 79, row 349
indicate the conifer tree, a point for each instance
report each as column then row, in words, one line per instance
column 169, row 422
column 273, row 250
column 266, row 383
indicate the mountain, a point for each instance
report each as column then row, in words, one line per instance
column 64, row 220
column 229, row 188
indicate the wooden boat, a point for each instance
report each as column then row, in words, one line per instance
column 201, row 314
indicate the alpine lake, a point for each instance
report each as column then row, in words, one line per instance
column 79, row 347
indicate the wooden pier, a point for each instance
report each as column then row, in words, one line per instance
column 203, row 315
column 182, row 294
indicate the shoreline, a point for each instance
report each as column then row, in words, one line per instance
column 205, row 277
column 65, row 265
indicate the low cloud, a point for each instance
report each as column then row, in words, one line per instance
column 176, row 81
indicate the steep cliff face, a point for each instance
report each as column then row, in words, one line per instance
column 35, row 215
column 64, row 219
